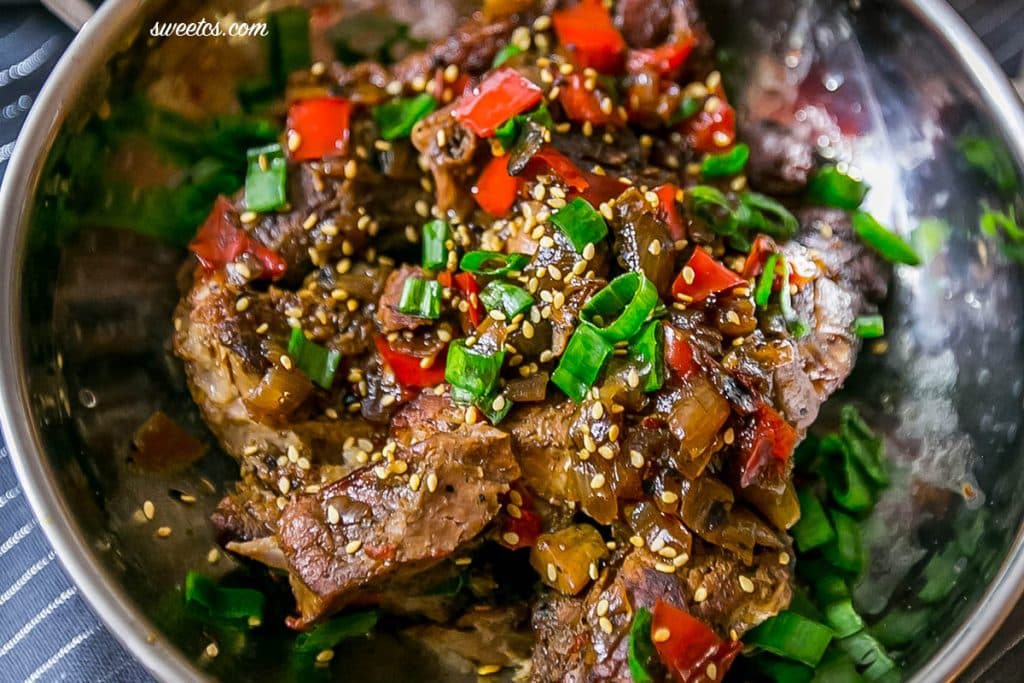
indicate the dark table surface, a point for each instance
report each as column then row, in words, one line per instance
column 47, row 631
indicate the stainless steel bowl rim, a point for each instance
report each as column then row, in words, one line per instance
column 111, row 603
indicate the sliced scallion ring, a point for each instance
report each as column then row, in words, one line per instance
column 492, row 263
column 620, row 309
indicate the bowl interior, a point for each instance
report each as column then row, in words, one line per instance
column 946, row 387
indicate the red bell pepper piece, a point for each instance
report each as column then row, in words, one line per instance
column 501, row 96
column 712, row 132
column 495, row 190
column 470, row 291
column 678, row 352
column 322, row 125
column 590, row 36
column 560, row 165
column 527, row 526
column 467, row 285
column 688, row 648
column 703, row 276
column 407, row 368
column 220, row 241
column 669, row 212
column 769, row 442
column 665, row 60
column 581, row 104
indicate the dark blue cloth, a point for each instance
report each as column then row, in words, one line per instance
column 47, row 632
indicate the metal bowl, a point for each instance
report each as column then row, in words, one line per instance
column 84, row 324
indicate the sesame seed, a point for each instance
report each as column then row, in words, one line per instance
column 712, row 671
column 783, row 558
column 333, row 516
column 294, row 140
column 352, row 547
column 325, row 656
column 510, row 537
column 148, row 509
column 431, row 482
column 636, row 459
column 668, row 497
column 661, row 635
column 163, row 532
column 606, row 452
column 286, row 362
column 665, row 568
column 284, row 485
column 552, row 572
column 602, row 607
column 213, row 557
column 498, row 403
column 463, row 561
column 680, row 560
column 606, row 624
column 597, row 481
column 248, row 217
column 654, row 248
column 212, row 650
column 746, row 584
column 688, row 275
column 592, row 571
column 701, row 594
column 488, row 669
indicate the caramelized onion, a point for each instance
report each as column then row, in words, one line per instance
column 698, row 415
column 279, row 393
column 161, row 444
column 530, row 389
column 564, row 558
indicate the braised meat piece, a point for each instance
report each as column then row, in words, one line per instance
column 349, row 537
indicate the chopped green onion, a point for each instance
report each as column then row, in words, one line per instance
column 929, row 236
column 836, row 668
column 899, row 628
column 621, row 308
column 868, row 655
column 989, row 155
column 761, row 213
column 780, row 670
column 474, row 372
column 265, row 179
column 725, row 164
column 494, row 406
column 435, row 251
column 329, row 634
column 1002, row 226
column 421, row 298
column 582, row 362
column 317, row 362
column 941, row 574
column 969, row 527
column 792, row 636
column 493, row 263
column 288, row 43
column 397, row 118
column 830, row 589
column 580, row 223
column 846, row 552
column 887, row 243
column 843, row 619
column 506, row 53
column 863, row 445
column 869, row 326
column 687, row 108
column 641, row 648
column 795, row 324
column 831, row 187
column 217, row 602
column 847, row 484
column 510, row 299
column 765, row 282
column 647, row 350
column 813, row 529
column 802, row 604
